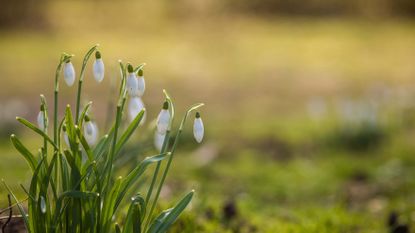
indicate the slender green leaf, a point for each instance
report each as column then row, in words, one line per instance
column 129, row 131
column 36, row 130
column 168, row 217
column 30, row 158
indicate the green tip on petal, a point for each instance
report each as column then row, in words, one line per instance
column 68, row 60
column 97, row 55
column 87, row 118
column 140, row 72
column 130, row 68
column 42, row 107
column 166, row 105
column 197, row 115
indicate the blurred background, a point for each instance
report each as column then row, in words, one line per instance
column 310, row 105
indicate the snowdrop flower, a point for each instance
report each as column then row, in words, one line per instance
column 198, row 128
column 159, row 140
column 90, row 131
column 41, row 118
column 163, row 119
column 69, row 73
column 141, row 83
column 132, row 82
column 98, row 67
column 42, row 205
column 134, row 108
column 65, row 136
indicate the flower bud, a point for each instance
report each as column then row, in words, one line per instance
column 132, row 82
column 198, row 128
column 69, row 73
column 141, row 87
column 90, row 131
column 98, row 67
column 163, row 119
column 134, row 108
column 42, row 205
column 159, row 140
column 65, row 136
column 41, row 119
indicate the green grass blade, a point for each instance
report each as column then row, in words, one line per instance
column 168, row 217
column 36, row 130
column 30, row 158
column 117, row 228
column 129, row 131
column 135, row 174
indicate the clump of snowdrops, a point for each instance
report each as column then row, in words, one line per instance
column 74, row 187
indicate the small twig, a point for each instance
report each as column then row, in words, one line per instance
column 8, row 208
column 3, row 228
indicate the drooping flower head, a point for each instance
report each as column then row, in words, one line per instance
column 98, row 67
column 163, row 118
column 69, row 73
column 65, row 136
column 41, row 118
column 159, row 140
column 42, row 205
column 90, row 131
column 198, row 128
column 135, row 106
column 141, row 87
column 132, row 82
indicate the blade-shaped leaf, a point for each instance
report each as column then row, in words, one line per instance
column 168, row 217
column 129, row 131
column 36, row 130
column 30, row 158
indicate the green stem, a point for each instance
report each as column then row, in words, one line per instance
column 166, row 170
column 81, row 79
column 55, row 114
column 153, row 181
column 64, row 57
column 78, row 100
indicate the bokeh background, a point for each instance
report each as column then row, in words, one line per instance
column 310, row 105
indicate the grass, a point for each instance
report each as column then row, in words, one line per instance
column 284, row 171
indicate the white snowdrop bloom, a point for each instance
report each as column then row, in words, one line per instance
column 65, row 136
column 141, row 87
column 66, row 139
column 42, row 205
column 98, row 67
column 134, row 108
column 163, row 119
column 41, row 119
column 132, row 81
column 198, row 128
column 90, row 131
column 159, row 140
column 69, row 73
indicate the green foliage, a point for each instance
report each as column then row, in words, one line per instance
column 74, row 188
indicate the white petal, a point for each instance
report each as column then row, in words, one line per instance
column 159, row 140
column 66, row 139
column 132, row 84
column 134, row 108
column 42, row 205
column 69, row 73
column 91, row 132
column 198, row 129
column 141, row 86
column 98, row 70
column 41, row 120
column 163, row 121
